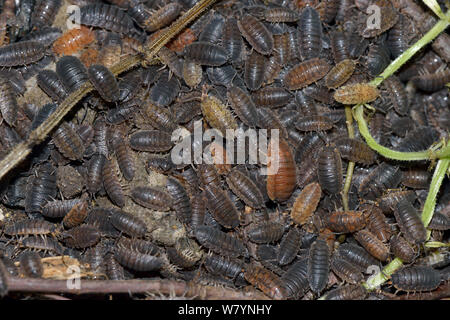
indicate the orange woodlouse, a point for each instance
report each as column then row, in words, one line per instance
column 73, row 41
column 281, row 180
column 306, row 73
column 306, row 203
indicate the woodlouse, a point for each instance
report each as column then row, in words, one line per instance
column 41, row 190
column 329, row 170
column 21, row 53
column 310, row 33
column 150, row 141
column 346, row 221
column 254, row 70
column 348, row 292
column 408, row 220
column 357, row 256
column 8, row 102
column 318, row 265
column 281, row 180
column 44, row 13
column 416, row 278
column 340, row 73
column 205, row 53
column 356, row 93
column 181, row 202
column 68, row 142
column 306, row 203
column 372, row 244
column 72, row 72
column 266, row 232
column 129, row 256
column 289, row 247
column 221, row 207
column 402, row 249
column 355, row 150
column 306, row 73
column 152, row 198
column 128, row 223
column 223, row 266
column 242, row 105
column 256, row 34
column 112, row 183
column 346, row 270
column 107, row 17
column 73, row 41
column 271, row 97
column 265, row 280
column 83, row 236
column 31, row 265
column 49, row 82
column 245, row 189
column 220, row 242
column 104, row 82
column 217, row 114
column 295, row 280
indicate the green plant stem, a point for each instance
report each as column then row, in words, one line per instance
column 380, row 278
column 408, row 54
column 436, row 181
column 358, row 114
column 351, row 165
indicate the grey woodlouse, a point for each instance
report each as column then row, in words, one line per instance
column 329, row 170
column 44, row 13
column 223, row 266
column 289, row 247
column 71, row 72
column 310, row 33
column 151, row 141
column 21, row 53
column 408, row 220
column 128, row 223
column 68, row 142
column 205, row 53
column 243, row 106
column 318, row 265
column 256, row 34
column 8, row 102
column 107, row 17
column 254, row 70
column 112, row 183
column 131, row 257
column 181, row 202
column 220, row 242
column 416, row 278
column 41, row 190
column 49, row 82
column 266, row 232
column 346, row 270
column 152, row 198
column 355, row 150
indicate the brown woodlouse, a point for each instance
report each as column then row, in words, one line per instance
column 340, row 73
column 402, row 249
column 378, row 180
column 83, row 236
column 163, row 16
column 357, row 256
column 416, row 278
column 112, row 184
column 152, row 198
column 376, row 222
column 306, row 73
column 280, row 183
column 41, row 190
column 245, row 189
column 314, row 123
column 221, row 207
column 73, row 41
column 372, row 244
column 346, row 221
column 346, row 270
column 355, row 150
column 217, row 114
column 220, row 242
column 27, row 227
column 356, row 93
column 265, row 280
column 306, row 203
column 254, row 31
column 42, row 243
column 271, row 97
column 318, row 265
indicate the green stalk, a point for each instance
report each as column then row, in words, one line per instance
column 358, row 114
column 436, row 181
column 376, row 281
column 408, row 54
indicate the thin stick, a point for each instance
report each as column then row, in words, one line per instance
column 351, row 165
column 159, row 286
